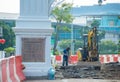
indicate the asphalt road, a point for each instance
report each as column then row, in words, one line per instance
column 74, row 80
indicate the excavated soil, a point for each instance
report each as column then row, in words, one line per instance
column 89, row 70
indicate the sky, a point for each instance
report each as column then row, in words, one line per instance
column 12, row 6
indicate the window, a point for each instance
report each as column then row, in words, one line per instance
column 111, row 23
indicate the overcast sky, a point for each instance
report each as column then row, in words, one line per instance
column 12, row 6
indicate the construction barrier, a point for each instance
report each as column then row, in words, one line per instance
column 19, row 67
column 12, row 75
column 11, row 69
column 3, row 66
column 109, row 58
column 0, row 71
column 73, row 59
column 59, row 58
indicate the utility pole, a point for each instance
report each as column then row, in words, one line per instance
column 72, row 36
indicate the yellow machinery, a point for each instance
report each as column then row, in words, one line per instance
column 92, row 45
column 90, row 49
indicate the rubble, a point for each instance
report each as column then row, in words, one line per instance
column 90, row 70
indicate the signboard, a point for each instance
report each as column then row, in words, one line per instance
column 33, row 49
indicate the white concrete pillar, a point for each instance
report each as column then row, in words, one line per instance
column 33, row 23
column 34, row 8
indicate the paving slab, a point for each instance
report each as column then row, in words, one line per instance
column 74, row 80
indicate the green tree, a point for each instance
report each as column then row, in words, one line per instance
column 108, row 47
column 8, row 35
column 9, row 51
column 95, row 23
column 101, row 35
column 61, row 15
column 84, row 30
column 78, row 44
column 65, row 43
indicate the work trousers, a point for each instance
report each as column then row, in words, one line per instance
column 65, row 60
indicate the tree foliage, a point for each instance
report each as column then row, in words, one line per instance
column 8, row 35
column 61, row 15
column 66, row 43
column 108, row 47
column 84, row 30
column 9, row 50
column 95, row 23
column 101, row 35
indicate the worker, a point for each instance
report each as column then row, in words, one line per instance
column 65, row 56
column 79, row 54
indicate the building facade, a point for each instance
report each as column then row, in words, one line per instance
column 108, row 15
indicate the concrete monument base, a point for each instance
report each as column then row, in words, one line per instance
column 36, row 69
column 33, row 36
column 34, row 46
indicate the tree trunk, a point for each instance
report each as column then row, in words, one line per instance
column 56, row 37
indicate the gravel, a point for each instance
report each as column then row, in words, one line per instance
column 90, row 70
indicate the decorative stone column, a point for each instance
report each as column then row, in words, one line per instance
column 33, row 34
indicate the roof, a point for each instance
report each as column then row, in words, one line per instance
column 95, row 10
column 108, row 9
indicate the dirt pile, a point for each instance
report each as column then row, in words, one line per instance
column 90, row 70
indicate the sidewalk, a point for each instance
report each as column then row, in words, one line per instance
column 74, row 80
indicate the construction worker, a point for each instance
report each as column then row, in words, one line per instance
column 79, row 54
column 65, row 56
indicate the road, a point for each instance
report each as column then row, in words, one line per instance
column 74, row 80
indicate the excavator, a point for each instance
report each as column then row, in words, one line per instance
column 93, row 45
column 90, row 49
